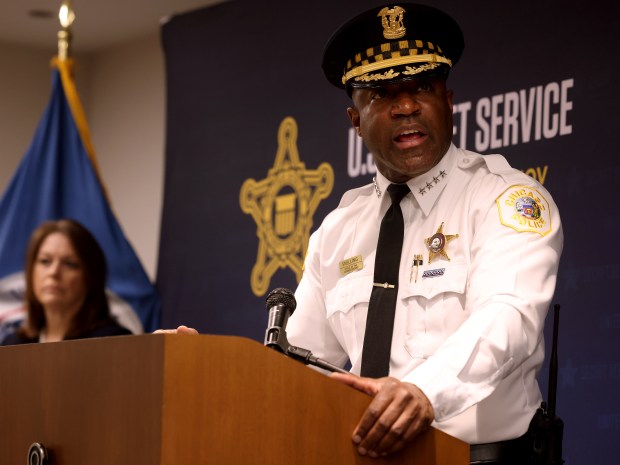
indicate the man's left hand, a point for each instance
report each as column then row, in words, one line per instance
column 396, row 415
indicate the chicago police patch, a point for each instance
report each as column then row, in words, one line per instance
column 524, row 209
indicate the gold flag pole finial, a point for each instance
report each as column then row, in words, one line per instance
column 66, row 15
column 64, row 63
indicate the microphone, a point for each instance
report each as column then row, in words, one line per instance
column 281, row 304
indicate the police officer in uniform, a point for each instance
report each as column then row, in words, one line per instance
column 433, row 281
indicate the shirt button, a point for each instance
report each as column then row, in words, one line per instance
column 464, row 162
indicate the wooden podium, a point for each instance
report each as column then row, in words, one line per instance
column 184, row 400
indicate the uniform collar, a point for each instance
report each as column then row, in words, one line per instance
column 426, row 187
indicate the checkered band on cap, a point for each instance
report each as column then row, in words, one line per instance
column 391, row 55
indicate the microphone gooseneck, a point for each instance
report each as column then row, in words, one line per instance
column 281, row 304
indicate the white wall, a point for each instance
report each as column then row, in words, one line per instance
column 24, row 91
column 127, row 118
column 122, row 91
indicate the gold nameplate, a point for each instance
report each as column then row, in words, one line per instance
column 350, row 265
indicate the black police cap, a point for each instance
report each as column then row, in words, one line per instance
column 392, row 43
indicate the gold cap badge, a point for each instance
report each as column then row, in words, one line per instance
column 392, row 22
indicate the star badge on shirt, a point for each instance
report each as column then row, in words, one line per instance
column 436, row 244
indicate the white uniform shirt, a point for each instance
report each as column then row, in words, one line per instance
column 468, row 328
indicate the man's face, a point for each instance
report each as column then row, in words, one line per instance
column 407, row 126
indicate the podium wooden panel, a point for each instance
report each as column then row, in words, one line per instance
column 181, row 400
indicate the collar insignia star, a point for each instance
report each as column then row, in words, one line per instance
column 433, row 182
column 436, row 244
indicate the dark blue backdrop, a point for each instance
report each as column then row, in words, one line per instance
column 537, row 83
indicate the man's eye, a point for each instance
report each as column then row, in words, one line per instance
column 379, row 92
column 425, row 86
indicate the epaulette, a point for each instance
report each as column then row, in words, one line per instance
column 498, row 165
column 351, row 195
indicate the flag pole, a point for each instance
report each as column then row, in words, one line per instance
column 64, row 63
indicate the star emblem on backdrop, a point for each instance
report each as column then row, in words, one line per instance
column 283, row 205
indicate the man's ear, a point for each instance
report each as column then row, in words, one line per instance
column 450, row 95
column 354, row 117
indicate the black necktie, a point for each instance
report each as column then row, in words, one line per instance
column 382, row 305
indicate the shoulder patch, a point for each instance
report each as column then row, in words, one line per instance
column 524, row 209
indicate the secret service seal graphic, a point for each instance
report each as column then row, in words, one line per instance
column 282, row 206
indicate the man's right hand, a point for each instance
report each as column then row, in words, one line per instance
column 180, row 330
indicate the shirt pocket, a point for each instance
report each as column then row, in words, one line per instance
column 436, row 304
column 347, row 307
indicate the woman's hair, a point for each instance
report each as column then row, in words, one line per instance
column 95, row 310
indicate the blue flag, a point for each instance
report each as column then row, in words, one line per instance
column 56, row 179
